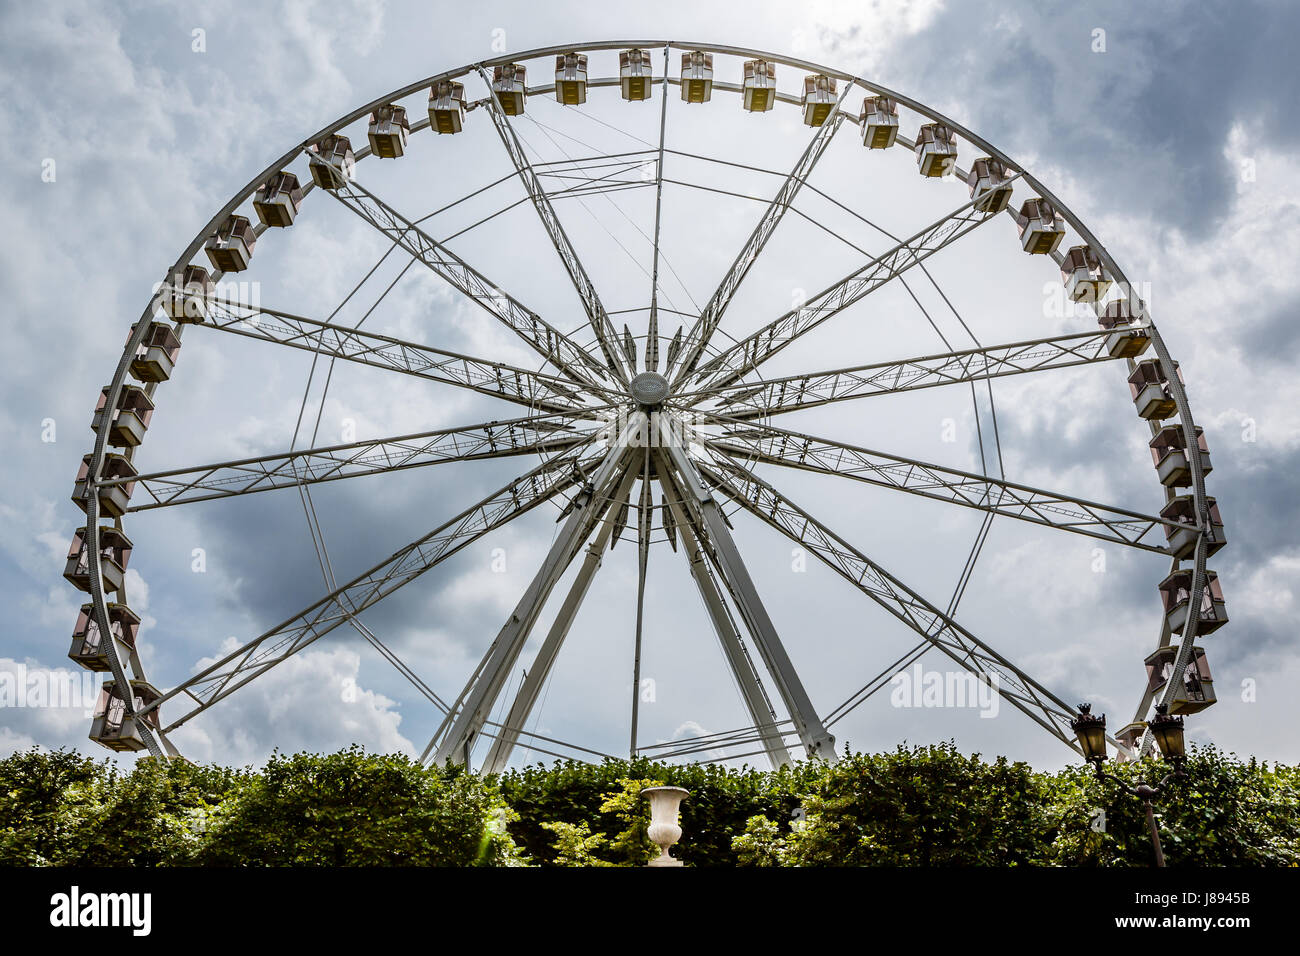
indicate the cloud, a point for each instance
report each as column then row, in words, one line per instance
column 1149, row 107
column 1149, row 142
column 312, row 701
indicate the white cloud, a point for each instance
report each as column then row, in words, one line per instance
column 312, row 701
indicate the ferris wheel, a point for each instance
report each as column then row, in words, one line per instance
column 654, row 433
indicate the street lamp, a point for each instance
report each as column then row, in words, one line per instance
column 1167, row 730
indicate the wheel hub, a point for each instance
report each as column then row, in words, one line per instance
column 649, row 388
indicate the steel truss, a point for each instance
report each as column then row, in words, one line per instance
column 703, row 330
column 751, row 352
column 596, row 315
column 259, row 655
column 533, row 389
column 797, row 392
column 698, row 445
column 557, row 348
column 752, row 442
column 541, row 434
column 765, row 502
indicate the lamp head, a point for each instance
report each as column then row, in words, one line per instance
column 1090, row 729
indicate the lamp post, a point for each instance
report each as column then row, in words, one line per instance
column 664, row 830
column 1167, row 730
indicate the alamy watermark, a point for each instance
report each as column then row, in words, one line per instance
column 921, row 688
column 657, row 430
column 42, row 687
column 75, row 908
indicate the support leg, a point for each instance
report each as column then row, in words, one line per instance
column 817, row 741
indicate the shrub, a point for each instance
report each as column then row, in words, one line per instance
column 918, row 806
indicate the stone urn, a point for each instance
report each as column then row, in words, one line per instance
column 663, row 830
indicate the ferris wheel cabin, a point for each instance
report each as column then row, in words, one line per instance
column 447, row 107
column 1129, row 339
column 635, row 76
column 278, row 200
column 1083, row 276
column 112, row 727
column 508, row 85
column 115, row 552
column 818, row 98
column 156, row 356
column 1175, row 595
column 388, row 132
column 1150, row 390
column 1041, row 227
column 231, row 249
column 88, row 648
column 571, row 79
column 332, row 162
column 1169, row 452
column 184, row 300
column 697, row 77
column 758, row 90
column 1197, row 690
column 879, row 120
column 1182, row 540
column 987, row 180
column 113, row 499
column 130, row 419
column 936, row 150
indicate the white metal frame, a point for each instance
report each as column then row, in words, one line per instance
column 566, row 404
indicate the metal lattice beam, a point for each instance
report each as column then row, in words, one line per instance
column 543, row 434
column 1014, row 685
column 751, row 352
column 547, row 393
column 755, row 698
column 764, row 443
column 704, row 327
column 816, row 740
column 606, row 335
column 460, row 731
column 561, row 351
column 810, row 390
column 259, row 655
column 531, row 687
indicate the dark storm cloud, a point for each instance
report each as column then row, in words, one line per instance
column 1271, row 334
column 1143, row 124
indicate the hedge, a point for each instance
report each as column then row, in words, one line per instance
column 915, row 806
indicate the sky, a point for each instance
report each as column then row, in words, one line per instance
column 1168, row 128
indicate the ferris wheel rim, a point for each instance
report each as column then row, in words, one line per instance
column 98, row 454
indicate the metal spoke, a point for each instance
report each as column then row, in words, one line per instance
column 547, row 393
column 652, row 338
column 596, row 316
column 765, row 443
column 698, row 338
column 751, row 352
column 644, row 514
column 497, row 439
column 704, row 508
column 259, row 655
column 810, row 390
column 775, row 509
column 561, row 351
